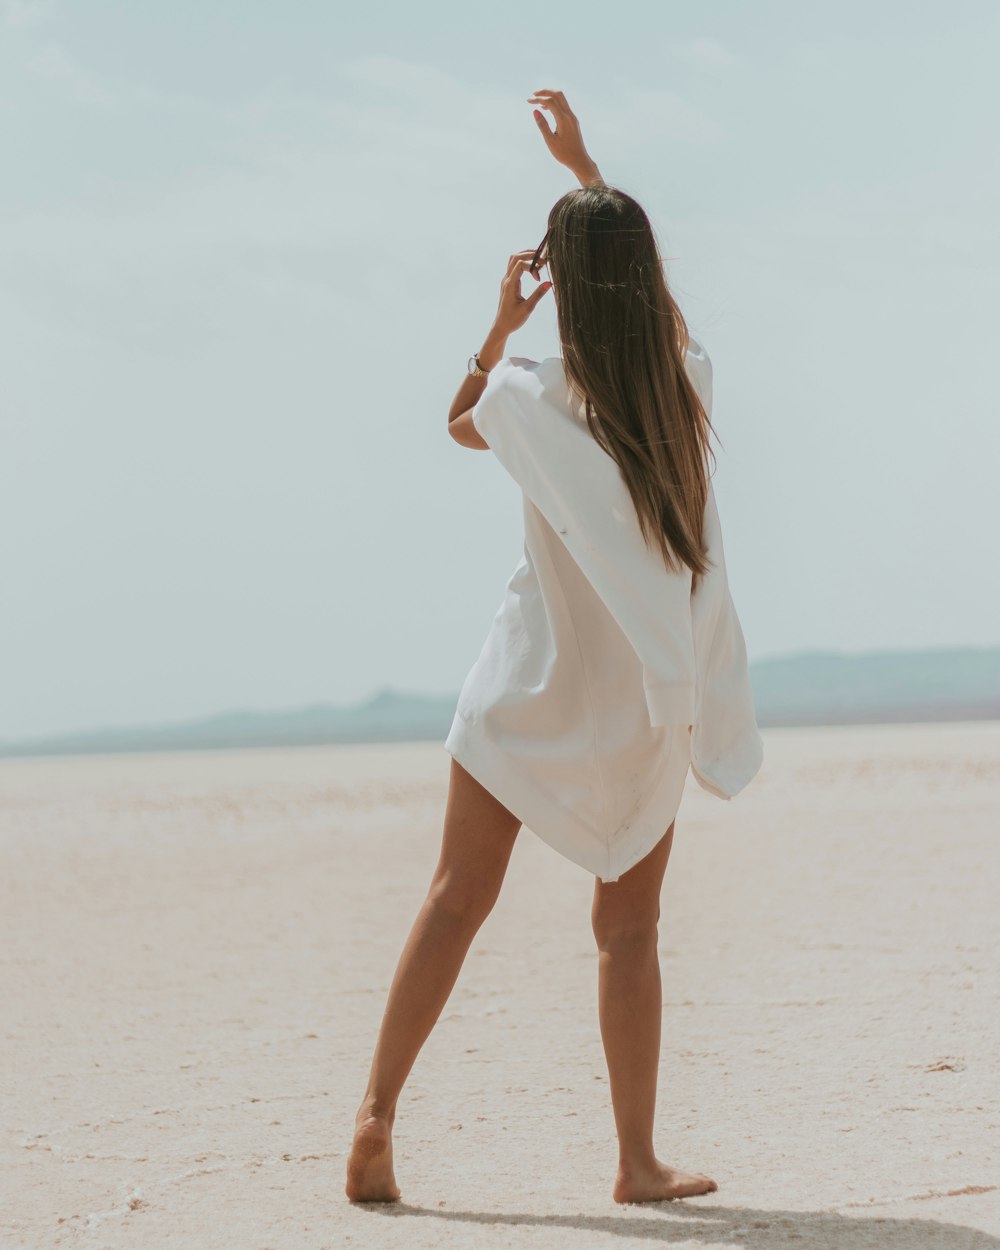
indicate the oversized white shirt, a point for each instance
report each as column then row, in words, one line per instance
column 602, row 678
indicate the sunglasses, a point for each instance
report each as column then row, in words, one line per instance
column 539, row 257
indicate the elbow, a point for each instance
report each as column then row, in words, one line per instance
column 463, row 430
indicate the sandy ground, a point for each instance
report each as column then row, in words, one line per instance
column 196, row 950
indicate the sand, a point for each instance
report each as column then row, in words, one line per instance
column 196, row 949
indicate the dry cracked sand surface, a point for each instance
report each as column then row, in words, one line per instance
column 196, row 949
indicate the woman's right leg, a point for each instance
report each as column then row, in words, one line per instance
column 625, row 916
column 479, row 835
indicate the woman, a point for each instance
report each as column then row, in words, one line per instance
column 615, row 664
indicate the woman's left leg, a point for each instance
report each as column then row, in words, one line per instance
column 625, row 917
column 479, row 835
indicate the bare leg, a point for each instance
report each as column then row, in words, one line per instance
column 479, row 835
column 625, row 916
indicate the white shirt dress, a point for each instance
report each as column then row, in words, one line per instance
column 602, row 679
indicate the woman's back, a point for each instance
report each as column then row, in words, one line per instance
column 598, row 682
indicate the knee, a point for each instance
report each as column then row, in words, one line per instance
column 623, row 927
column 467, row 902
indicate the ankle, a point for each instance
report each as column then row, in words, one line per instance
column 373, row 1109
column 637, row 1161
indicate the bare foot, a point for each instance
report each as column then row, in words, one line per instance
column 370, row 1176
column 659, row 1182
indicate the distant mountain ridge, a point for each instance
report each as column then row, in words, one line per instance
column 832, row 688
column 806, row 688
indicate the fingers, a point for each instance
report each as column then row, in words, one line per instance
column 554, row 100
column 542, row 125
column 536, row 295
column 514, row 271
column 514, row 307
column 547, row 93
column 566, row 134
column 519, row 262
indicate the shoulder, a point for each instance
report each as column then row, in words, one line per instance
column 699, row 367
column 696, row 354
column 496, row 395
column 524, row 407
column 515, row 371
column 508, row 371
column 511, row 377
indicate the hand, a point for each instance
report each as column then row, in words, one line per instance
column 566, row 141
column 514, row 309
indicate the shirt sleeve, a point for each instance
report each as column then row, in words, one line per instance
column 698, row 364
column 579, row 490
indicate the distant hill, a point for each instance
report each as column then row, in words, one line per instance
column 387, row 716
column 834, row 688
column 808, row 688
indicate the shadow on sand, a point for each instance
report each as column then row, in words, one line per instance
column 738, row 1226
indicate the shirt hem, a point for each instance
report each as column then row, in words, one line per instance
column 606, row 855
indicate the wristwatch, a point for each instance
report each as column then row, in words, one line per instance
column 475, row 368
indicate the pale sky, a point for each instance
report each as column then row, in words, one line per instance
column 246, row 249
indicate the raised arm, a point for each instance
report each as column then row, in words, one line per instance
column 566, row 141
column 513, row 311
column 567, row 146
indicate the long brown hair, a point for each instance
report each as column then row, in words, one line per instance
column 623, row 341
